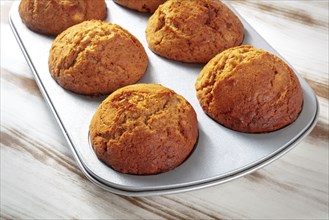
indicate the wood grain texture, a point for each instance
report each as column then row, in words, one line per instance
column 40, row 179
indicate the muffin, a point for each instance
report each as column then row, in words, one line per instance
column 144, row 129
column 96, row 57
column 193, row 31
column 141, row 5
column 249, row 90
column 53, row 17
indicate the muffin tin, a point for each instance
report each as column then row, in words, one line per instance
column 220, row 155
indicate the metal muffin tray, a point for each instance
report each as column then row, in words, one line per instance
column 220, row 155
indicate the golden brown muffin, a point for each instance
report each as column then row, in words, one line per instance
column 54, row 16
column 144, row 129
column 96, row 57
column 193, row 31
column 249, row 90
column 141, row 5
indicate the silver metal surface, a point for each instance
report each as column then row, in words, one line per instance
column 220, row 155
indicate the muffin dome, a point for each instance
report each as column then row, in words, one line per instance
column 144, row 129
column 54, row 16
column 249, row 90
column 96, row 57
column 141, row 5
column 193, row 31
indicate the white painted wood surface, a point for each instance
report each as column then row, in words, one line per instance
column 40, row 180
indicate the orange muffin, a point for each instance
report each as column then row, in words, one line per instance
column 141, row 5
column 96, row 57
column 249, row 90
column 144, row 129
column 54, row 16
column 193, row 31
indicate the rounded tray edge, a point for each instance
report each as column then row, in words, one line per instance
column 203, row 185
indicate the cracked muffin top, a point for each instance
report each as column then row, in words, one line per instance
column 141, row 5
column 144, row 129
column 193, row 31
column 96, row 57
column 54, row 16
column 249, row 90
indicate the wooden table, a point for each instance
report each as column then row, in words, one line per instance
column 40, row 179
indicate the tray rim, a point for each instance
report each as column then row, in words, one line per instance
column 261, row 164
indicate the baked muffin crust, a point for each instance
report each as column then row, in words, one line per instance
column 54, row 16
column 249, row 90
column 141, row 5
column 144, row 129
column 193, row 31
column 96, row 57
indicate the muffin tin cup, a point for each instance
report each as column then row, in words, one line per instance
column 220, row 155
